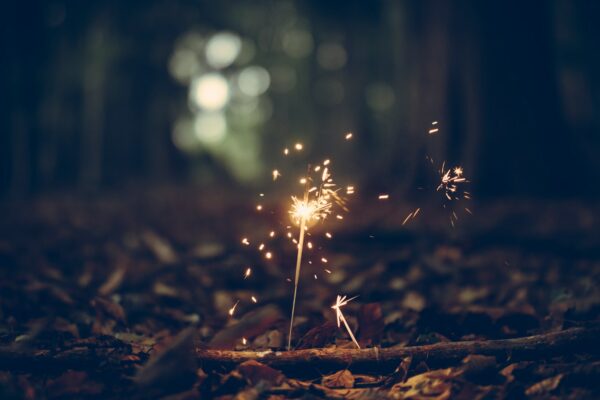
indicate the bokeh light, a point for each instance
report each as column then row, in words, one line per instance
column 254, row 81
column 222, row 49
column 210, row 127
column 380, row 96
column 297, row 43
column 331, row 56
column 184, row 65
column 210, row 91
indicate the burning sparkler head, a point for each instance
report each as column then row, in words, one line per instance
column 311, row 211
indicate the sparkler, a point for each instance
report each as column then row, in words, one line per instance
column 319, row 199
column 339, row 303
column 316, row 205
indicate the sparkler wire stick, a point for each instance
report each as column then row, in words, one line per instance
column 298, row 264
column 340, row 302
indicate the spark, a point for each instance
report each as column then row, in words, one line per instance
column 261, row 247
column 350, row 190
column 232, row 309
column 384, row 196
column 411, row 215
column 272, row 234
column 245, row 241
column 328, row 235
column 433, row 131
column 268, row 255
column 286, row 151
column 276, row 174
column 309, row 245
column 298, row 146
column 315, row 275
column 327, row 270
column 303, row 181
column 259, row 207
column 248, row 273
column 254, row 300
column 339, row 303
column 326, row 162
column 244, row 341
column 349, row 135
column 324, row 259
column 450, row 180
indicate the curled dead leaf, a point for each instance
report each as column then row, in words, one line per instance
column 340, row 379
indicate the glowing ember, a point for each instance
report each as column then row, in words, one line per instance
column 232, row 309
column 339, row 303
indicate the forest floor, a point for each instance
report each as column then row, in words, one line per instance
column 146, row 296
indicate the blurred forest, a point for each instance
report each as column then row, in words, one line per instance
column 111, row 94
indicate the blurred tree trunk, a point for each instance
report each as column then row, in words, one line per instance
column 95, row 73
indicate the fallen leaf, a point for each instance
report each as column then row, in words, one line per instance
column 370, row 323
column 171, row 370
column 341, row 379
column 433, row 385
column 545, row 386
column 254, row 372
column 249, row 326
column 319, row 336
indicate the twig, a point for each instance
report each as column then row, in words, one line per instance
column 543, row 346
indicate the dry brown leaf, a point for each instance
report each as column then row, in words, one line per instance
column 370, row 323
column 341, row 379
column 545, row 386
column 432, row 385
column 254, row 372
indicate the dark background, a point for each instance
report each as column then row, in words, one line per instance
column 95, row 97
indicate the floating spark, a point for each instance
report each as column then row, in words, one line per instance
column 348, row 135
column 232, row 309
column 247, row 273
column 384, row 196
column 339, row 303
column 254, row 300
column 450, row 179
column 276, row 174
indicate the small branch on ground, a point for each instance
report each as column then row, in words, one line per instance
column 543, row 346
